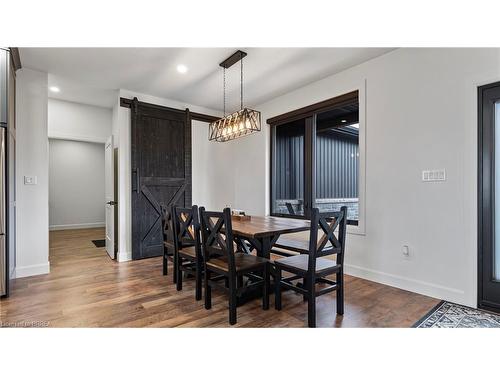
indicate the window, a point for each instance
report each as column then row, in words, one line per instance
column 289, row 180
column 315, row 159
column 337, row 160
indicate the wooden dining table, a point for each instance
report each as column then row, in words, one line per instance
column 261, row 232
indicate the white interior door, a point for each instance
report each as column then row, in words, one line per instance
column 110, row 198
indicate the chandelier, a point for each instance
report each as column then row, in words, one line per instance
column 240, row 123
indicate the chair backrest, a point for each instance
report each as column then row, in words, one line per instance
column 217, row 235
column 327, row 223
column 186, row 228
column 167, row 226
column 290, row 209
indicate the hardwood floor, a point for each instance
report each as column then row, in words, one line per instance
column 87, row 289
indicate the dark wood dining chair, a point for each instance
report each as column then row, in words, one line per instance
column 313, row 267
column 288, row 245
column 187, row 246
column 223, row 263
column 290, row 209
column 168, row 240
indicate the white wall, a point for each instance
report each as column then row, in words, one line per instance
column 121, row 134
column 76, row 184
column 213, row 177
column 75, row 121
column 421, row 113
column 32, row 252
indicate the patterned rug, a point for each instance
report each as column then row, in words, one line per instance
column 451, row 315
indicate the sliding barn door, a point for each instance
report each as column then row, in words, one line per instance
column 161, row 172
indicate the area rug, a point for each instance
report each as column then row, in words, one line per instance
column 450, row 315
column 99, row 243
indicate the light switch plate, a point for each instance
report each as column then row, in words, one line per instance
column 435, row 175
column 30, row 180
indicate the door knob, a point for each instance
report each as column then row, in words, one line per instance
column 112, row 203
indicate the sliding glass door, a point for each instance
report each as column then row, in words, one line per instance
column 489, row 197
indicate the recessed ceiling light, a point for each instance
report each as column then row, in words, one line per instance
column 54, row 89
column 344, row 121
column 182, row 68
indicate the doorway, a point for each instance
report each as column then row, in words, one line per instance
column 488, row 191
column 111, row 192
column 77, row 187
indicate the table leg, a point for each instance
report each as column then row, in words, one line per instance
column 263, row 247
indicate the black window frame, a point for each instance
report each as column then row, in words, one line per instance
column 309, row 115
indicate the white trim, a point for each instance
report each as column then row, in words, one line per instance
column 77, row 226
column 35, row 269
column 360, row 229
column 124, row 256
column 412, row 285
column 76, row 137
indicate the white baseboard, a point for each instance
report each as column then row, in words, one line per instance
column 77, row 226
column 412, row 285
column 33, row 270
column 124, row 256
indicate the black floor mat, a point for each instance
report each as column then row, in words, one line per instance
column 99, row 243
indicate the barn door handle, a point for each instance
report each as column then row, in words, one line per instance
column 135, row 186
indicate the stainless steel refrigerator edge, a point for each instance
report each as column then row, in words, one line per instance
column 4, row 257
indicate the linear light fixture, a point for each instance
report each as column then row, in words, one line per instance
column 240, row 123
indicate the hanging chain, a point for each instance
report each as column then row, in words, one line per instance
column 224, row 85
column 241, row 84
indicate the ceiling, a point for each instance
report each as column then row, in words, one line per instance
column 89, row 75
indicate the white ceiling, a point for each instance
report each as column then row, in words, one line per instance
column 75, row 91
column 89, row 75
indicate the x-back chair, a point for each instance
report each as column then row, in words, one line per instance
column 314, row 267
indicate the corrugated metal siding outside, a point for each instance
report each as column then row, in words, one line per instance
column 337, row 166
column 290, row 167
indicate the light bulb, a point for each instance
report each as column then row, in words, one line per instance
column 182, row 68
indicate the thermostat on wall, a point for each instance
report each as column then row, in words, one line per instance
column 434, row 175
